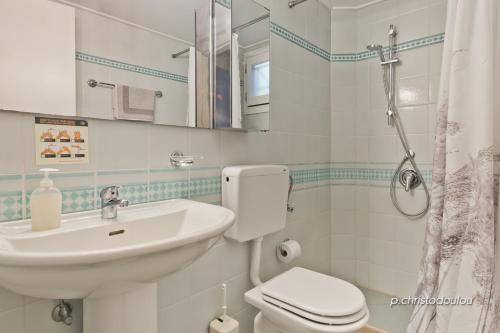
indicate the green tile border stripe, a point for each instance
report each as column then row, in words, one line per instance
column 11, row 206
column 10, row 177
column 121, row 172
column 89, row 58
column 306, row 176
column 404, row 46
column 56, row 175
column 279, row 31
column 299, row 41
column 352, row 57
column 370, row 174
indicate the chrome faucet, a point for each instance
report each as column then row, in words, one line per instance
column 110, row 200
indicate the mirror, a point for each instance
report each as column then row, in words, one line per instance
column 161, row 62
column 251, row 98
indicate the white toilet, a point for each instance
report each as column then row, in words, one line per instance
column 299, row 300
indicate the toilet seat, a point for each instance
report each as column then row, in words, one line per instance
column 301, row 300
column 326, row 320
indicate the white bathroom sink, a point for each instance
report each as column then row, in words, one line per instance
column 89, row 254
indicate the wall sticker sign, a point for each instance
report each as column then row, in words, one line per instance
column 61, row 141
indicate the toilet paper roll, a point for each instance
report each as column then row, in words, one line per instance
column 288, row 251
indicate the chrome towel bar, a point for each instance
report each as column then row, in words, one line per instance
column 93, row 83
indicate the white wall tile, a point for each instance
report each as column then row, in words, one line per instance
column 176, row 318
column 413, row 91
column 173, row 288
column 413, row 25
column 12, row 321
column 437, row 18
column 10, row 131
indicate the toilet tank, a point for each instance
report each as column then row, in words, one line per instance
column 257, row 194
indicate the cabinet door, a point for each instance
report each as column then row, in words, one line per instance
column 37, row 57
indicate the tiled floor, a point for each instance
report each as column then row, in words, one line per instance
column 370, row 329
column 382, row 316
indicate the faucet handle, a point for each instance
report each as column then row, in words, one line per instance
column 110, row 193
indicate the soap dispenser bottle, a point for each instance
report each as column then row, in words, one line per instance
column 45, row 204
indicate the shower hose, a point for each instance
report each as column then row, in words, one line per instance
column 409, row 155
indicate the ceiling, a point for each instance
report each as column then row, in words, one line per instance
column 176, row 17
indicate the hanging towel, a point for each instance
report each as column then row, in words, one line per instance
column 191, row 111
column 235, row 84
column 133, row 103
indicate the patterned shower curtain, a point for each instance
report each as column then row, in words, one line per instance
column 462, row 247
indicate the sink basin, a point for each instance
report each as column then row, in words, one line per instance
column 89, row 254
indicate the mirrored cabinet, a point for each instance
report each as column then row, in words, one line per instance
column 191, row 63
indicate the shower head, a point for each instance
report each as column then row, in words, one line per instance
column 376, row 48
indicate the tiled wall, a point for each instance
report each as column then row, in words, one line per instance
column 136, row 156
column 372, row 244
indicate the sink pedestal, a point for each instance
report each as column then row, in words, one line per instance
column 128, row 312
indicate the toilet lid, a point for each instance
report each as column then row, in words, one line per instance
column 315, row 293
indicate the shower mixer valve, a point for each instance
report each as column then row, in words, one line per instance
column 409, row 179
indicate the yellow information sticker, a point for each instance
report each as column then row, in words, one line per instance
column 61, row 141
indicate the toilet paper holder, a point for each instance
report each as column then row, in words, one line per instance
column 288, row 250
column 281, row 249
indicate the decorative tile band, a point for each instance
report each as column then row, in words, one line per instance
column 204, row 186
column 11, row 206
column 305, row 176
column 76, row 199
column 404, row 46
column 164, row 190
column 299, row 41
column 129, row 67
column 364, row 174
column 352, row 57
column 277, row 30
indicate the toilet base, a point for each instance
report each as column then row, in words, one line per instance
column 262, row 325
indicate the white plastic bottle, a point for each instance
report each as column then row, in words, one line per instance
column 45, row 205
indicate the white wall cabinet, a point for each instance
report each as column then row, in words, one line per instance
column 37, row 57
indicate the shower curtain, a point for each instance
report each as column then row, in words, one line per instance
column 461, row 256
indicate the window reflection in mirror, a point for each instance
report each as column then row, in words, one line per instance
column 251, row 78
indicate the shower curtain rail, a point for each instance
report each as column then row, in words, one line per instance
column 235, row 29
column 250, row 23
column 294, row 3
column 175, row 55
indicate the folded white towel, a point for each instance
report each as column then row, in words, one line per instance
column 133, row 103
